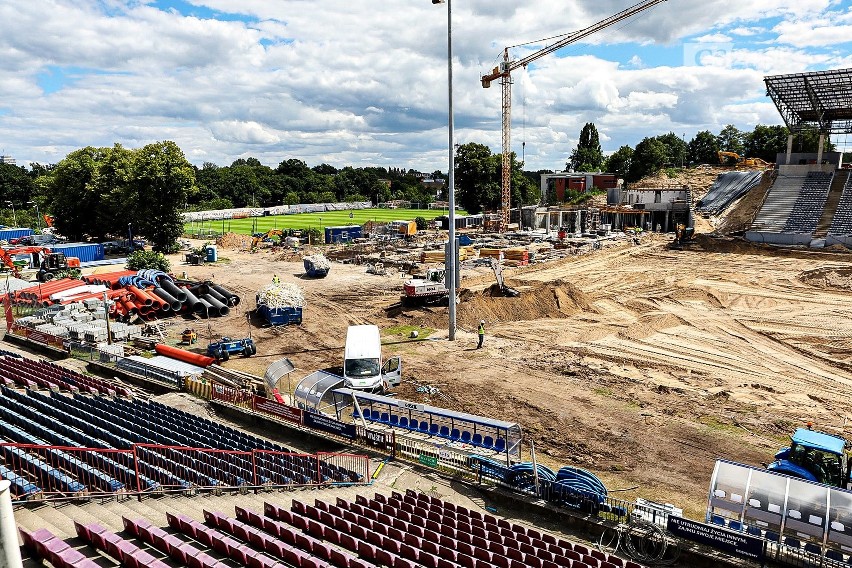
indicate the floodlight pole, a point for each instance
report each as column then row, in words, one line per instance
column 450, row 272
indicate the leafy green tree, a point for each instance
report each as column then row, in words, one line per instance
column 162, row 179
column 648, row 158
column 732, row 139
column 619, row 161
column 808, row 141
column 16, row 185
column 703, row 148
column 765, row 142
column 476, row 184
column 587, row 156
column 421, row 223
column 675, row 148
column 145, row 259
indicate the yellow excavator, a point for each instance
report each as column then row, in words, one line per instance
column 734, row 159
column 258, row 238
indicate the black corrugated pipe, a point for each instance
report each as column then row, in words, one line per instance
column 205, row 307
column 232, row 299
column 168, row 298
column 178, row 294
column 192, row 302
column 217, row 305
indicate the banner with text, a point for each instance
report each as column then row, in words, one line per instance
column 738, row 544
column 278, row 410
column 322, row 422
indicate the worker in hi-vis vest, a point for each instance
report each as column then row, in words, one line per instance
column 481, row 333
column 275, row 279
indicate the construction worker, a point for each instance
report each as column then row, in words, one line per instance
column 275, row 279
column 481, row 333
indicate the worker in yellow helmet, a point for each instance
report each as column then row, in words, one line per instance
column 275, row 279
column 481, row 333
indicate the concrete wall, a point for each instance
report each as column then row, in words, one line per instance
column 797, row 157
column 779, row 238
column 802, row 171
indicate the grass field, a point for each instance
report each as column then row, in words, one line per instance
column 311, row 220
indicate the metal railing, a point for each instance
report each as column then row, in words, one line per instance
column 50, row 473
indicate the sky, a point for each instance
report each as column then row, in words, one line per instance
column 365, row 83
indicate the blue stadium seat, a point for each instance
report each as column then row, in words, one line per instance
column 455, row 435
column 735, row 526
column 465, row 437
column 753, row 530
column 500, row 445
column 394, row 420
column 444, row 432
column 403, row 422
column 813, row 548
column 717, row 520
column 434, row 429
column 385, row 418
column 792, row 542
column 476, row 440
column 834, row 555
column 488, row 442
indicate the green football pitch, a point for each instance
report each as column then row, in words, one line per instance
column 310, row 220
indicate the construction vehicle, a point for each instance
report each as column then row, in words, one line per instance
column 189, row 336
column 734, row 159
column 405, row 229
column 258, row 238
column 683, row 235
column 223, row 349
column 428, row 289
column 815, row 456
column 504, row 73
column 49, row 264
column 507, row 291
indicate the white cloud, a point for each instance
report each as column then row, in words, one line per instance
column 351, row 83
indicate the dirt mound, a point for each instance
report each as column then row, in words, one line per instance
column 649, row 324
column 234, row 241
column 836, row 277
column 556, row 299
column 741, row 214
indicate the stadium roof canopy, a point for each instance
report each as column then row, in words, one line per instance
column 821, row 100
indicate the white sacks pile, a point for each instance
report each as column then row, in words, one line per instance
column 283, row 295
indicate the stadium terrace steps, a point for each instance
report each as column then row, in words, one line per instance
column 841, row 224
column 778, row 205
column 838, row 184
column 344, row 528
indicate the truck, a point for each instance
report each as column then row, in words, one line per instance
column 362, row 361
column 280, row 316
column 815, row 456
column 429, row 289
column 223, row 349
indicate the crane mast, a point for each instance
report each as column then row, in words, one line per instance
column 504, row 73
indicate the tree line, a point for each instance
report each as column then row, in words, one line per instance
column 670, row 150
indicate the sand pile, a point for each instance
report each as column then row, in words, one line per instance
column 558, row 299
column 234, row 241
column 828, row 277
column 649, row 324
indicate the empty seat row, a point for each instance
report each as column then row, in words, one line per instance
column 47, row 546
column 435, row 429
column 788, row 541
column 118, row 547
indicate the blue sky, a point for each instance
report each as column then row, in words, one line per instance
column 356, row 83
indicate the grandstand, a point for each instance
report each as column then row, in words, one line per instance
column 809, row 203
column 401, row 531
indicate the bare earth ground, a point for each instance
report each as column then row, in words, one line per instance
column 639, row 363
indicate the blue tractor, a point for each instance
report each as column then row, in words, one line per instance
column 223, row 349
column 815, row 456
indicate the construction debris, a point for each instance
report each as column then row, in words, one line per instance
column 281, row 295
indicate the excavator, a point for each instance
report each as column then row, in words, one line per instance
column 734, row 159
column 258, row 238
column 49, row 263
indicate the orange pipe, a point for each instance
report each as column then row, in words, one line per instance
column 184, row 355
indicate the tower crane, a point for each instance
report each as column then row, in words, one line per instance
column 504, row 73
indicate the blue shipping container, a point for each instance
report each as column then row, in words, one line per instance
column 14, row 233
column 86, row 252
column 342, row 234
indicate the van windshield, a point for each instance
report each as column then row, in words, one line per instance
column 361, row 367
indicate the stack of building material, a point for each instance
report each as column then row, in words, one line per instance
column 437, row 256
column 511, row 256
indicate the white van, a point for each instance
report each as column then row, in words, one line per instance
column 362, row 361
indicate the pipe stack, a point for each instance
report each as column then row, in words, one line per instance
column 149, row 293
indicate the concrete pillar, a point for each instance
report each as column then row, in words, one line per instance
column 10, row 552
column 547, row 222
column 666, row 226
column 789, row 148
column 819, row 150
